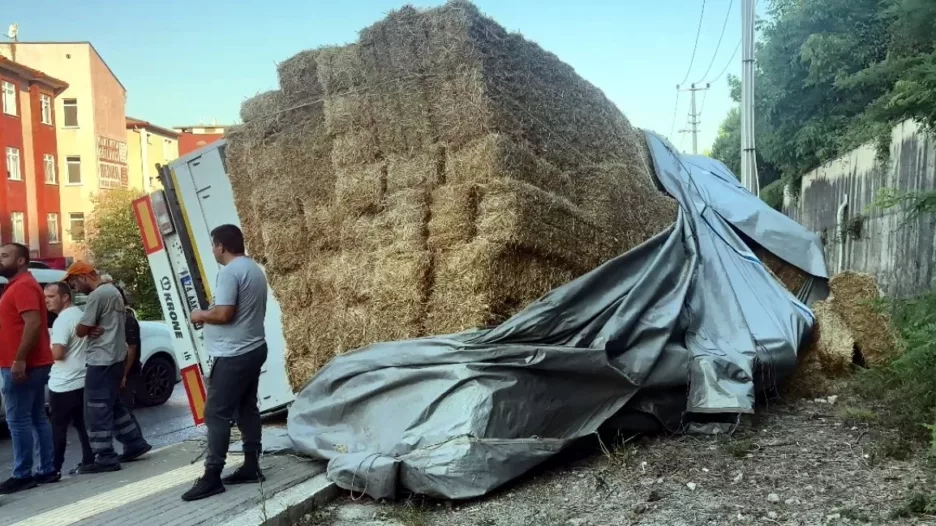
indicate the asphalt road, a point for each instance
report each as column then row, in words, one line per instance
column 163, row 425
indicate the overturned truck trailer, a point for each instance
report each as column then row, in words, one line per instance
column 682, row 330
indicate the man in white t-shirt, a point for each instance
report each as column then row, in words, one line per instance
column 67, row 377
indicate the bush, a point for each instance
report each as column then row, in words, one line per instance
column 772, row 194
column 907, row 386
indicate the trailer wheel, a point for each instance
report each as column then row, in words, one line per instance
column 156, row 382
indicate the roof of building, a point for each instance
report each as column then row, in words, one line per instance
column 135, row 124
column 33, row 75
column 106, row 65
column 191, row 126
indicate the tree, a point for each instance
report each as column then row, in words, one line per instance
column 834, row 74
column 112, row 240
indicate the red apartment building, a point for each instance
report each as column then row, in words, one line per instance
column 29, row 190
column 194, row 137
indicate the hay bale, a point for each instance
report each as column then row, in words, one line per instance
column 853, row 299
column 790, row 276
column 826, row 356
column 439, row 174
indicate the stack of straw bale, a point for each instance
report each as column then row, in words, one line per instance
column 437, row 175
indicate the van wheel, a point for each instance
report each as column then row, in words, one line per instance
column 156, row 382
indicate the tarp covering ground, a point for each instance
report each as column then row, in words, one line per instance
column 683, row 330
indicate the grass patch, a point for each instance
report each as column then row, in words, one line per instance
column 409, row 513
column 855, row 515
column 916, row 504
column 740, row 448
column 857, row 415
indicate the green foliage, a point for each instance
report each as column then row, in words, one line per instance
column 113, row 241
column 772, row 194
column 834, row 74
column 907, row 386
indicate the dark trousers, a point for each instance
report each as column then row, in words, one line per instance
column 128, row 395
column 106, row 415
column 232, row 395
column 68, row 408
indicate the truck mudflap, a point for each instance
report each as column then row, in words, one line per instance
column 158, row 248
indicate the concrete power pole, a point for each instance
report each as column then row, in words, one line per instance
column 749, row 178
column 694, row 118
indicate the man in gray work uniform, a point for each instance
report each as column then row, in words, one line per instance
column 236, row 341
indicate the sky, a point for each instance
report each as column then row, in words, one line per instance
column 186, row 62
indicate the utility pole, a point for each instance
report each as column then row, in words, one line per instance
column 694, row 117
column 749, row 178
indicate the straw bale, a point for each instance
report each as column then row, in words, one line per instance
column 853, row 298
column 454, row 215
column 361, row 189
column 436, row 175
column 827, row 355
column 488, row 282
column 419, row 170
column 790, row 276
column 298, row 78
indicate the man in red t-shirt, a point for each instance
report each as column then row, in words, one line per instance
column 25, row 361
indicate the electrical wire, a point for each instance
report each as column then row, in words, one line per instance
column 672, row 127
column 695, row 46
column 730, row 61
column 718, row 45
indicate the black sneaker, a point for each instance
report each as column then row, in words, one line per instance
column 77, row 469
column 12, row 485
column 90, row 469
column 244, row 475
column 49, row 478
column 207, row 486
column 130, row 456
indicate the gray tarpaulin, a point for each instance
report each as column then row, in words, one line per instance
column 679, row 329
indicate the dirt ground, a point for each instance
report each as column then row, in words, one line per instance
column 814, row 462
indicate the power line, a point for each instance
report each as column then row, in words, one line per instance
column 730, row 61
column 675, row 112
column 695, row 46
column 718, row 45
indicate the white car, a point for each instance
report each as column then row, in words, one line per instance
column 160, row 372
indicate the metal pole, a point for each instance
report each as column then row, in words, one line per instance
column 695, row 127
column 748, row 153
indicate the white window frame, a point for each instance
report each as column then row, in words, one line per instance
column 45, row 109
column 9, row 98
column 72, row 217
column 65, row 105
column 48, row 163
column 52, row 219
column 14, row 172
column 18, row 225
column 69, row 161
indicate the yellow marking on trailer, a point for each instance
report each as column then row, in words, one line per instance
column 191, row 236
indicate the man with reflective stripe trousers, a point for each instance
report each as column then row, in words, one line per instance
column 105, row 413
column 236, row 341
column 25, row 362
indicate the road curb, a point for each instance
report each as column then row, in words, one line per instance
column 287, row 507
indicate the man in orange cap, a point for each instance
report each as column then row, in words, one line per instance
column 103, row 321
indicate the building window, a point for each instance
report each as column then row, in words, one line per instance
column 52, row 224
column 76, row 226
column 167, row 150
column 13, row 164
column 9, row 98
column 19, row 227
column 48, row 161
column 71, row 113
column 73, row 162
column 45, row 104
